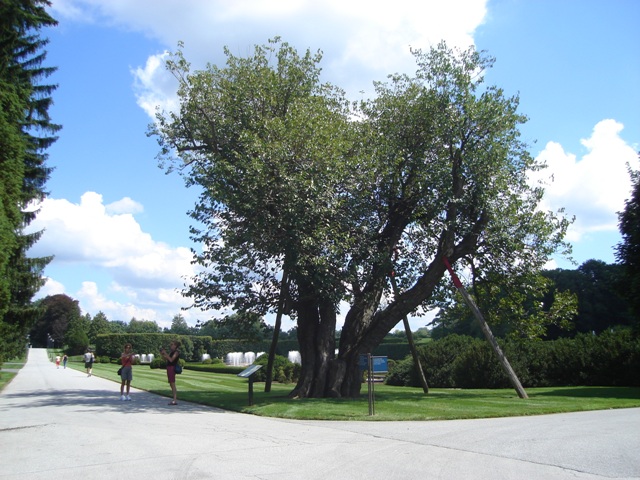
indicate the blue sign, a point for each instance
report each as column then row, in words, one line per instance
column 379, row 364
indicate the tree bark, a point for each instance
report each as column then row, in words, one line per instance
column 316, row 338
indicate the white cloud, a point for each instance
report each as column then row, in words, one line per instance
column 91, row 300
column 593, row 187
column 125, row 205
column 362, row 40
column 107, row 240
column 88, row 232
column 155, row 87
column 51, row 287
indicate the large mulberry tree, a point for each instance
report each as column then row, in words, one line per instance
column 296, row 179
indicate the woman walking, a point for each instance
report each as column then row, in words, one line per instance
column 126, row 372
column 172, row 359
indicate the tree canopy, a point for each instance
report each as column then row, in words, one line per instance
column 628, row 250
column 56, row 312
column 246, row 326
column 338, row 195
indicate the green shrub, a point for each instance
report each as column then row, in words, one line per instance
column 402, row 373
column 478, row 367
column 159, row 362
column 284, row 371
column 438, row 359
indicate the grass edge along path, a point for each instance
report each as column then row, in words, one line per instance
column 230, row 392
column 9, row 369
column 5, row 378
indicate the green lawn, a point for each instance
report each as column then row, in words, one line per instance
column 5, row 377
column 13, row 364
column 391, row 403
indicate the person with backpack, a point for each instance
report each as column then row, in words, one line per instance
column 88, row 361
column 172, row 359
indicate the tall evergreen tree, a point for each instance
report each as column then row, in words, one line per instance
column 27, row 131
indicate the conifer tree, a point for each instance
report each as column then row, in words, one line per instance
column 27, row 131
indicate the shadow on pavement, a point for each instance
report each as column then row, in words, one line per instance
column 105, row 400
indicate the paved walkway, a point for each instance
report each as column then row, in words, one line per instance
column 61, row 424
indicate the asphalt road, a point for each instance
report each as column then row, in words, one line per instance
column 61, row 424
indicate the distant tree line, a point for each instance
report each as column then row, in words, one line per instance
column 62, row 322
column 595, row 294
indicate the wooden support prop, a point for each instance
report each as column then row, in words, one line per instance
column 412, row 345
column 487, row 331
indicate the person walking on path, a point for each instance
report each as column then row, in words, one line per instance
column 88, row 361
column 64, row 360
column 172, row 359
column 57, row 361
column 126, row 371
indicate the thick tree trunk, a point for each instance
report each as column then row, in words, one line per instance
column 308, row 320
column 326, row 346
column 316, row 337
column 364, row 328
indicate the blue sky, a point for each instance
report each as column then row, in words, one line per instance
column 118, row 225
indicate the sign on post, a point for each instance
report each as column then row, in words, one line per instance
column 248, row 373
column 371, row 364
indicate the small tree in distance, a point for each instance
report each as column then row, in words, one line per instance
column 179, row 325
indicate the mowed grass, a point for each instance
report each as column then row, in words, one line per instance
column 13, row 364
column 230, row 392
column 5, row 377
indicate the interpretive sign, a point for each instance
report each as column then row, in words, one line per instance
column 250, row 370
column 248, row 373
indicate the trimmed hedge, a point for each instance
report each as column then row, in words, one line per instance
column 191, row 349
column 609, row 359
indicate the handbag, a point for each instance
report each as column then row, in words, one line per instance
column 178, row 368
column 120, row 371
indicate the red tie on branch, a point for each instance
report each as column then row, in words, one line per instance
column 454, row 277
